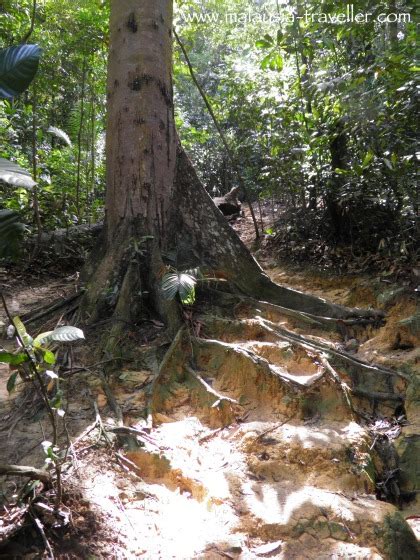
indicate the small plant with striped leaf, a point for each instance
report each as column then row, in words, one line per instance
column 181, row 284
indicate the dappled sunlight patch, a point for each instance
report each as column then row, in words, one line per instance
column 284, row 505
column 155, row 521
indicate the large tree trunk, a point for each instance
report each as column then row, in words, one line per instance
column 157, row 211
column 141, row 156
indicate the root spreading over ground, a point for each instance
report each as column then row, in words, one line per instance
column 257, row 432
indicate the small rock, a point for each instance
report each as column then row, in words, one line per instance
column 352, row 345
column 338, row 531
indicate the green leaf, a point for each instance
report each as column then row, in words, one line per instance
column 48, row 356
column 263, row 44
column 60, row 134
column 367, row 159
column 15, row 175
column 18, row 66
column 190, row 298
column 11, row 382
column 181, row 283
column 265, row 63
column 276, row 62
column 20, row 327
column 42, row 338
column 13, row 359
column 273, row 61
column 67, row 334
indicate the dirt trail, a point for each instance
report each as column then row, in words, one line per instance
column 254, row 451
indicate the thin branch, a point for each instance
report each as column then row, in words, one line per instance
column 27, row 35
column 40, row 528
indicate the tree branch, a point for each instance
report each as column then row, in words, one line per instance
column 27, row 35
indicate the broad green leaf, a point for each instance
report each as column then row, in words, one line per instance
column 265, row 63
column 60, row 334
column 60, row 134
column 13, row 174
column 13, row 359
column 18, row 66
column 276, row 62
column 190, row 298
column 273, row 61
column 42, row 338
column 11, row 382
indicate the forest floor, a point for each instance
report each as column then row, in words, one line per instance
column 274, row 481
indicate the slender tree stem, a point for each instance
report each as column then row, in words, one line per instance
column 44, row 395
column 28, row 34
column 79, row 138
column 35, row 169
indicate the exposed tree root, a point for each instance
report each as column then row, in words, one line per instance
column 235, row 368
column 42, row 312
column 219, row 399
column 248, row 306
column 30, row 472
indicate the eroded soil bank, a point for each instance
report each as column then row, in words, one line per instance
column 259, row 436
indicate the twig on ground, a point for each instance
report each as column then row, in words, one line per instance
column 112, row 401
column 40, row 529
column 133, row 466
column 127, row 430
column 273, row 428
column 211, row 435
column 98, row 422
column 42, row 312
